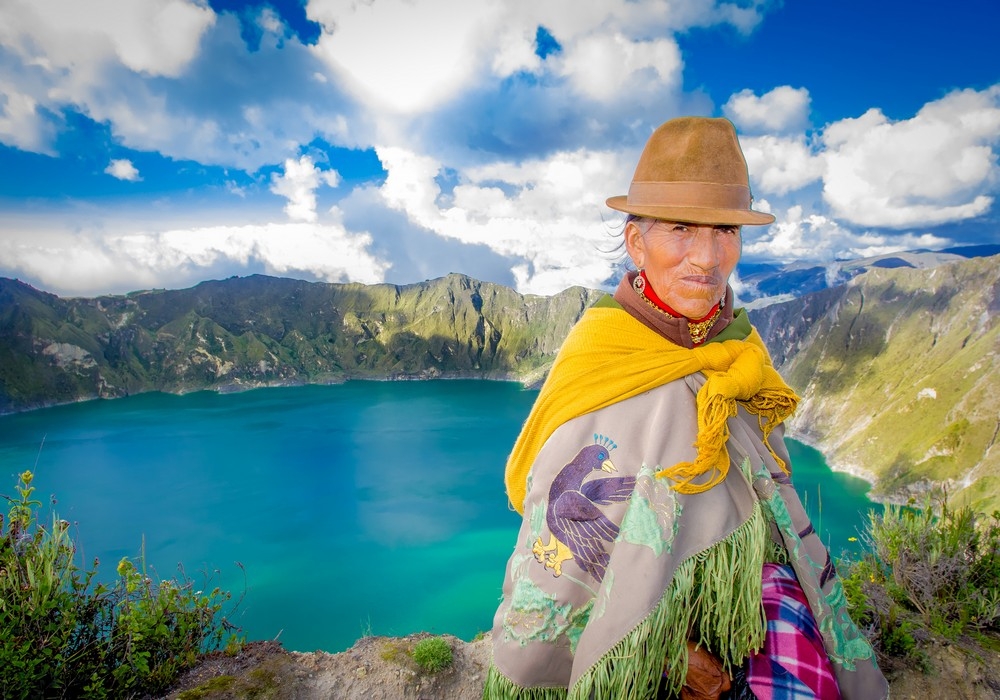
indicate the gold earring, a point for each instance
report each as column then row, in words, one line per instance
column 639, row 283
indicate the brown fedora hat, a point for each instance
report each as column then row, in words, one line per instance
column 692, row 169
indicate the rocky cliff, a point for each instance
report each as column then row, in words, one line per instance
column 254, row 331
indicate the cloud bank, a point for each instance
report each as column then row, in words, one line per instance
column 496, row 130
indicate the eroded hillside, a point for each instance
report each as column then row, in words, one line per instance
column 254, row 331
column 900, row 376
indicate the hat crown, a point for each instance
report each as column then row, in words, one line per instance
column 692, row 169
column 693, row 149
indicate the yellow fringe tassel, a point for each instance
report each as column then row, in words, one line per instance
column 749, row 381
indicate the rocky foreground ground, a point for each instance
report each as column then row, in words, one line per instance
column 380, row 668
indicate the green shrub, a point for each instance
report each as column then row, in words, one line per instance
column 213, row 686
column 897, row 638
column 942, row 565
column 927, row 571
column 854, row 591
column 432, row 654
column 64, row 635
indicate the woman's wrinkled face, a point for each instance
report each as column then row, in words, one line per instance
column 688, row 265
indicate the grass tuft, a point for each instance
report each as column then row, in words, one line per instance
column 432, row 654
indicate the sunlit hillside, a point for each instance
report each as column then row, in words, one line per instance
column 898, row 368
column 899, row 372
column 257, row 331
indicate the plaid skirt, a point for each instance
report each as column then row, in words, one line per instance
column 793, row 664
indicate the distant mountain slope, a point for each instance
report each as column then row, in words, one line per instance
column 763, row 284
column 899, row 372
column 257, row 330
column 898, row 369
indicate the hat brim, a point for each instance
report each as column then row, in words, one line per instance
column 694, row 215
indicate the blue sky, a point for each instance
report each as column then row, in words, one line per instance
column 158, row 143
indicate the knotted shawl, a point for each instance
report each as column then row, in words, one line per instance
column 609, row 357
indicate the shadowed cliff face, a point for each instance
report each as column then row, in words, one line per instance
column 900, row 376
column 253, row 331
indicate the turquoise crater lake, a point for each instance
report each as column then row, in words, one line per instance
column 359, row 508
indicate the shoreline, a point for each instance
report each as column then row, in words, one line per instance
column 896, row 499
column 528, row 381
column 812, row 441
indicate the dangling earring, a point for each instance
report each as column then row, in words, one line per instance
column 639, row 284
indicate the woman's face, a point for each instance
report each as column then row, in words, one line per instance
column 688, row 265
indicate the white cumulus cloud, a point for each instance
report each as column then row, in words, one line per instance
column 20, row 124
column 156, row 37
column 298, row 184
column 95, row 56
column 167, row 76
column 798, row 235
column 546, row 213
column 122, row 169
column 783, row 109
column 937, row 167
column 94, row 262
column 409, row 57
column 781, row 164
column 401, row 55
column 604, row 67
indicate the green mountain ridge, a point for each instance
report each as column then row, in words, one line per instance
column 898, row 369
column 259, row 331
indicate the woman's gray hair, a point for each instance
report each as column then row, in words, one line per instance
column 639, row 220
column 643, row 222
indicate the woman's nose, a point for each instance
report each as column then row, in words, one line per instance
column 704, row 250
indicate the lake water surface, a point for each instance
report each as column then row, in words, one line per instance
column 366, row 507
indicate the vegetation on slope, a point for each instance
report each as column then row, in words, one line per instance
column 898, row 374
column 253, row 331
column 929, row 575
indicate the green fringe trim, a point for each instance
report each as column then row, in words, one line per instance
column 714, row 599
column 499, row 687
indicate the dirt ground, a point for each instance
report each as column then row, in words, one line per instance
column 379, row 668
column 375, row 668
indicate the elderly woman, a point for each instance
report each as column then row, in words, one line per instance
column 664, row 551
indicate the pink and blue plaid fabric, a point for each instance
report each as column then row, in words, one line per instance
column 793, row 664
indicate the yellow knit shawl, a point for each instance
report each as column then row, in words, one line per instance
column 609, row 356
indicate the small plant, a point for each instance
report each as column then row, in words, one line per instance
column 432, row 654
column 213, row 686
column 897, row 636
column 64, row 635
column 392, row 652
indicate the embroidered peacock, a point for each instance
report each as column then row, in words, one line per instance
column 578, row 529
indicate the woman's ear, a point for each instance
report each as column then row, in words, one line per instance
column 635, row 244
